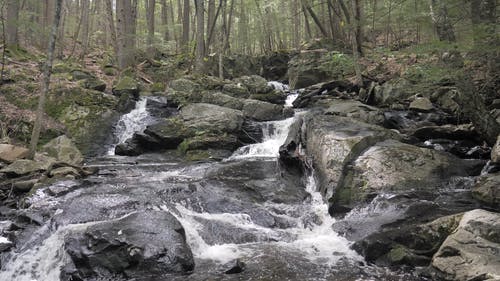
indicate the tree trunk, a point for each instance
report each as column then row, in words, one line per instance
column 164, row 20
column 85, row 28
column 12, row 23
column 111, row 24
column 210, row 22
column 125, row 34
column 35, row 136
column 315, row 19
column 150, row 16
column 484, row 21
column 306, row 23
column 200, row 35
column 442, row 23
column 185, row 27
column 296, row 24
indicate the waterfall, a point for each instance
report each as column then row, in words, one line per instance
column 133, row 122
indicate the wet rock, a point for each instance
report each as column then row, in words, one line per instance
column 238, row 267
column 290, row 151
column 254, row 83
column 392, row 166
column 10, row 153
column 145, row 243
column 487, row 190
column 356, row 110
column 421, row 104
column 166, row 134
column 262, row 111
column 495, row 151
column 393, row 91
column 64, row 171
column 209, row 117
column 5, row 244
column 452, row 132
column 274, row 96
column 197, row 147
column 131, row 147
column 335, row 141
column 64, row 150
column 159, row 108
column 471, row 251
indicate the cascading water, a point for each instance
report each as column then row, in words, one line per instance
column 133, row 122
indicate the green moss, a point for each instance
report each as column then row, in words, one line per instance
column 397, row 254
column 21, row 101
column 157, row 87
column 197, row 155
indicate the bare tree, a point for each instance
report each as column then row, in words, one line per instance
column 200, row 35
column 150, row 17
column 442, row 23
column 185, row 26
column 47, row 69
column 125, row 33
column 12, row 23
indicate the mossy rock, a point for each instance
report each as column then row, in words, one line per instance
column 126, row 85
column 276, row 97
column 157, row 87
column 207, row 141
column 110, row 70
column 93, row 84
column 78, row 74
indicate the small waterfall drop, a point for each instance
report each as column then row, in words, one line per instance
column 135, row 121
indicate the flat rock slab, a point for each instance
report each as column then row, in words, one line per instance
column 10, row 153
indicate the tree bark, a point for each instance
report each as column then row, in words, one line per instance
column 164, row 20
column 315, row 18
column 12, row 23
column 111, row 24
column 185, row 26
column 484, row 21
column 200, row 35
column 35, row 136
column 125, row 33
column 85, row 28
column 150, row 16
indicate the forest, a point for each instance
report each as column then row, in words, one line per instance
column 150, row 140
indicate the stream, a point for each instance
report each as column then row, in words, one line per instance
column 245, row 211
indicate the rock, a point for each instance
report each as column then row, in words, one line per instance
column 208, row 141
column 64, row 171
column 184, row 85
column 274, row 96
column 262, row 111
column 93, row 84
column 238, row 267
column 495, row 151
column 221, row 99
column 166, row 134
column 64, row 150
column 421, row 104
column 495, row 104
column 312, row 67
column 334, row 142
column 182, row 92
column 255, row 84
column 10, row 153
column 159, row 107
column 275, row 66
column 392, row 91
column 5, row 244
column 24, row 186
column 130, row 147
column 392, row 166
column 356, row 110
column 77, row 75
column 236, row 90
column 144, row 243
column 209, row 117
column 23, row 167
column 487, row 190
column 126, row 86
column 471, row 251
column 452, row 132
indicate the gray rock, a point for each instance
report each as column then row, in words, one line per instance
column 23, row 167
column 236, row 90
column 262, row 111
column 255, row 84
column 64, row 171
column 421, row 104
column 10, row 153
column 64, row 150
column 221, row 99
column 356, row 110
column 25, row 185
column 487, row 190
column 209, row 117
column 471, row 251
column 392, row 166
column 335, row 141
column 126, row 86
column 145, row 243
column 5, row 244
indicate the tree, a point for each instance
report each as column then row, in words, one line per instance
column 47, row 69
column 125, row 33
column 12, row 22
column 150, row 16
column 200, row 35
column 185, row 26
column 441, row 20
column 111, row 24
column 85, row 28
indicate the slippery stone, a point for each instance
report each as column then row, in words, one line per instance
column 421, row 104
column 495, row 151
column 262, row 111
column 209, row 117
column 487, row 190
column 356, row 110
column 471, row 251
column 151, row 243
column 23, row 167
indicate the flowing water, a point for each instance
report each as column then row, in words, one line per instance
column 244, row 208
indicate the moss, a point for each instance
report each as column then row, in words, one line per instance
column 21, row 101
column 197, row 155
column 157, row 87
column 397, row 254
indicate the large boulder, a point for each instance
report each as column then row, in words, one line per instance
column 392, row 166
column 221, row 99
column 10, row 153
column 335, row 142
column 126, row 85
column 209, row 117
column 487, row 190
column 262, row 111
column 356, row 110
column 255, row 84
column 64, row 150
column 183, row 91
column 471, row 251
column 142, row 244
column 24, row 167
column 495, row 151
